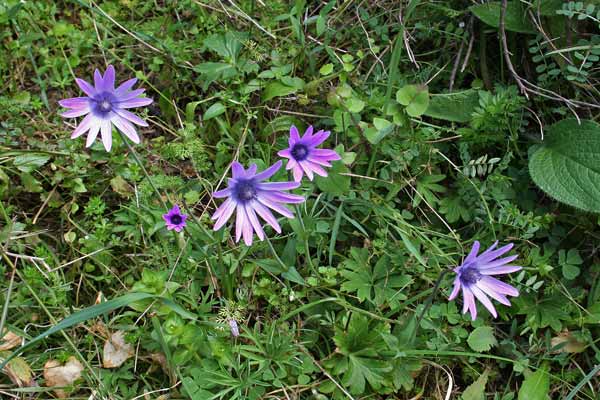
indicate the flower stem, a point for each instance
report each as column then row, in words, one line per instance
column 429, row 300
column 139, row 162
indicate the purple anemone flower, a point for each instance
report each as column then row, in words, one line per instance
column 250, row 196
column 303, row 155
column 175, row 219
column 474, row 276
column 105, row 106
column 235, row 330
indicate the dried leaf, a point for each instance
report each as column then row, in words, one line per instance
column 56, row 374
column 571, row 344
column 18, row 370
column 9, row 341
column 116, row 350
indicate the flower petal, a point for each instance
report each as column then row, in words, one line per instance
column 254, row 221
column 318, row 138
column 499, row 286
column 294, row 136
column 93, row 134
column 505, row 269
column 266, row 215
column 106, row 132
column 75, row 102
column 237, row 170
column 308, row 133
column 284, row 153
column 127, row 128
column 484, row 300
column 136, row 102
column 275, row 206
column 269, row 172
column 84, row 126
column 472, row 253
column 98, row 81
column 307, row 170
column 131, row 117
column 469, row 302
column 277, row 185
column 86, row 87
column 109, row 79
column 219, row 194
column 497, row 263
column 491, row 254
column 76, row 112
column 281, row 197
column 223, row 213
column 298, row 173
column 125, row 86
column 455, row 290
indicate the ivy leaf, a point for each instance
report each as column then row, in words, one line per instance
column 567, row 164
column 536, row 386
column 482, row 339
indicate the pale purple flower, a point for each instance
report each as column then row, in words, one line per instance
column 235, row 331
column 474, row 276
column 304, row 157
column 248, row 194
column 175, row 219
column 105, row 106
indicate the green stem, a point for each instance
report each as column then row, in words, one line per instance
column 429, row 301
column 139, row 162
column 306, row 248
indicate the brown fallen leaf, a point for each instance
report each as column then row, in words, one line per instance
column 569, row 343
column 9, row 341
column 18, row 371
column 57, row 374
column 116, row 350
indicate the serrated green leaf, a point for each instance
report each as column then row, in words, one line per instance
column 482, row 339
column 567, row 164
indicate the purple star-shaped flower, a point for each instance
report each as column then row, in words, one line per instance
column 474, row 276
column 303, row 155
column 175, row 219
column 251, row 196
column 104, row 107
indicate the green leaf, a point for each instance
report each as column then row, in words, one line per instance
column 81, row 316
column 31, row 184
column 536, row 386
column 334, row 182
column 278, row 89
column 482, row 339
column 567, row 164
column 214, row 111
column 476, row 390
column 355, row 105
column 515, row 18
column 326, row 69
column 414, row 98
column 382, row 128
column 30, row 162
column 456, row 107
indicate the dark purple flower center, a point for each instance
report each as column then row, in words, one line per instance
column 245, row 190
column 469, row 276
column 299, row 152
column 102, row 103
column 176, row 219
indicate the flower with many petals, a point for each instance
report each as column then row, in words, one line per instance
column 250, row 196
column 105, row 106
column 304, row 157
column 175, row 219
column 475, row 277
